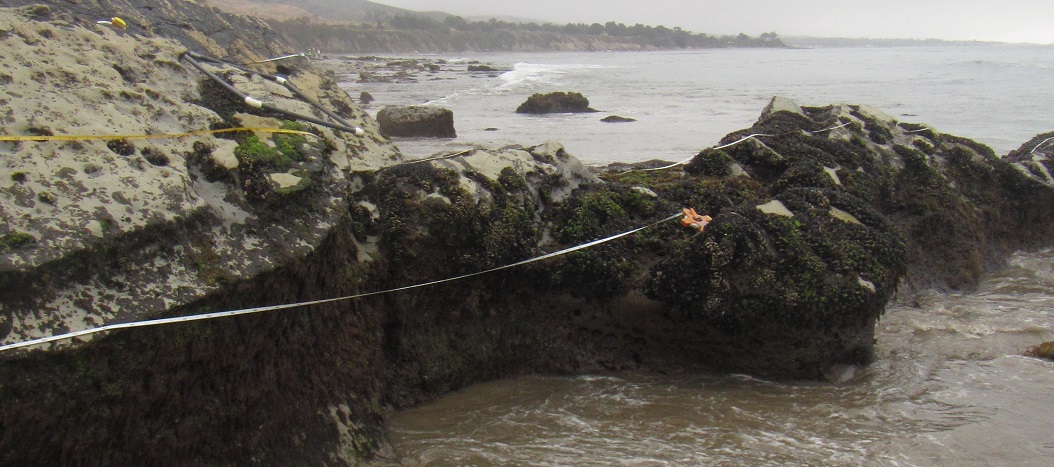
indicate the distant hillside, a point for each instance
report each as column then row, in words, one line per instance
column 360, row 26
column 330, row 11
column 834, row 42
column 269, row 11
column 408, row 33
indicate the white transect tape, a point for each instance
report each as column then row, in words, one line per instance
column 1041, row 144
column 438, row 158
column 675, row 164
column 740, row 140
column 278, row 58
column 253, row 102
column 224, row 314
column 832, row 128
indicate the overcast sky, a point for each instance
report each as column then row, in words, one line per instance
column 987, row 20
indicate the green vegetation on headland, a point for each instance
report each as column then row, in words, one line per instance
column 416, row 33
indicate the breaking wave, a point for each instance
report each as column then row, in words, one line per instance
column 532, row 75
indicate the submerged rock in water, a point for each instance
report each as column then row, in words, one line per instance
column 483, row 68
column 617, row 119
column 1044, row 350
column 426, row 120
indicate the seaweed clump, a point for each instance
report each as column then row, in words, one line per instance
column 605, row 271
column 15, row 240
column 272, row 170
column 1044, row 351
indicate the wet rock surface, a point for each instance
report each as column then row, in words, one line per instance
column 423, row 121
column 814, row 228
column 617, row 119
column 555, row 102
column 98, row 232
column 126, row 228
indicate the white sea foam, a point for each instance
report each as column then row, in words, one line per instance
column 531, row 75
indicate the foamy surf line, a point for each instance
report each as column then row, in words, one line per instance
column 526, row 74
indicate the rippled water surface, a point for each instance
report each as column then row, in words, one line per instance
column 685, row 101
column 949, row 388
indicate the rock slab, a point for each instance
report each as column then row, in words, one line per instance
column 410, row 121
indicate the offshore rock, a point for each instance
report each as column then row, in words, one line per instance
column 555, row 102
column 427, row 121
column 482, row 68
column 1044, row 351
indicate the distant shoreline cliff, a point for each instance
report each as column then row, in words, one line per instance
column 415, row 33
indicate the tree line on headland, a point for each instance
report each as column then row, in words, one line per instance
column 417, row 33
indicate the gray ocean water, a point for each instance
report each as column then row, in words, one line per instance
column 949, row 386
column 684, row 101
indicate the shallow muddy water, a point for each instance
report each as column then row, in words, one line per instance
column 949, row 388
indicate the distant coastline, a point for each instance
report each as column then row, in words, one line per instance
column 362, row 26
column 408, row 33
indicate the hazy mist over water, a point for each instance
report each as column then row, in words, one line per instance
column 685, row 101
column 971, row 20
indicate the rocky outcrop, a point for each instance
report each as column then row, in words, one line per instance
column 196, row 25
column 107, row 204
column 813, row 229
column 1036, row 155
column 99, row 232
column 423, row 120
column 960, row 207
column 555, row 102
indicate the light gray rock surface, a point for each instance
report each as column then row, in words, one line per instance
column 113, row 230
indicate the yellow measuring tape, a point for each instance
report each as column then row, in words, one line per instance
column 157, row 136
